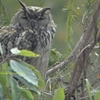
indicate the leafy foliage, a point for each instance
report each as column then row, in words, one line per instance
column 4, row 19
column 88, row 87
column 24, row 72
column 59, row 94
column 55, row 57
column 72, row 14
column 20, row 71
column 27, row 94
column 97, row 95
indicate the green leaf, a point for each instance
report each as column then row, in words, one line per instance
column 4, row 84
column 55, row 54
column 3, row 78
column 1, row 94
column 1, row 98
column 5, row 67
column 1, row 51
column 97, row 96
column 41, row 82
column 15, row 51
column 25, row 53
column 24, row 72
column 27, row 94
column 55, row 57
column 15, row 89
column 27, row 84
column 59, row 94
column 88, row 87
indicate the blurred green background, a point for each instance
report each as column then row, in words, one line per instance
column 59, row 16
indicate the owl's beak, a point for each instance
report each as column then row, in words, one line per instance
column 32, row 24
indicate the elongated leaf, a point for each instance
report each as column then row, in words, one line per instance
column 27, row 84
column 27, row 53
column 13, row 91
column 41, row 82
column 4, row 83
column 88, row 87
column 1, row 94
column 24, row 72
column 16, row 92
column 59, row 94
column 1, row 51
column 27, row 94
column 3, row 80
column 97, row 96
column 1, row 98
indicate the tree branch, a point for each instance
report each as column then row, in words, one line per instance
column 73, row 55
column 89, row 37
column 80, row 54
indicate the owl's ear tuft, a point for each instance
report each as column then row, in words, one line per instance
column 23, row 6
column 45, row 9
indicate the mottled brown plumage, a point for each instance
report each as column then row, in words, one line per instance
column 31, row 28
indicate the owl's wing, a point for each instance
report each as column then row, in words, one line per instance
column 5, row 38
column 10, row 38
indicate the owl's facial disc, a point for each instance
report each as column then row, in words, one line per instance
column 35, row 16
column 29, row 13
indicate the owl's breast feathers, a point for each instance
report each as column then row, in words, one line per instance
column 25, row 39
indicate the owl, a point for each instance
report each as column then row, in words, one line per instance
column 31, row 28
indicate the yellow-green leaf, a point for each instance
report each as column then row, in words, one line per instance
column 59, row 94
column 28, row 53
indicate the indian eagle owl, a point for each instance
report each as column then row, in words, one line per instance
column 31, row 28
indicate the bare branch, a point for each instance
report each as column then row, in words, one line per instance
column 89, row 37
column 83, row 42
column 80, row 54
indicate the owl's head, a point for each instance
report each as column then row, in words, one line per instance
column 32, row 17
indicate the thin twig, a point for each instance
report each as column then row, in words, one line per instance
column 8, row 58
column 4, row 10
